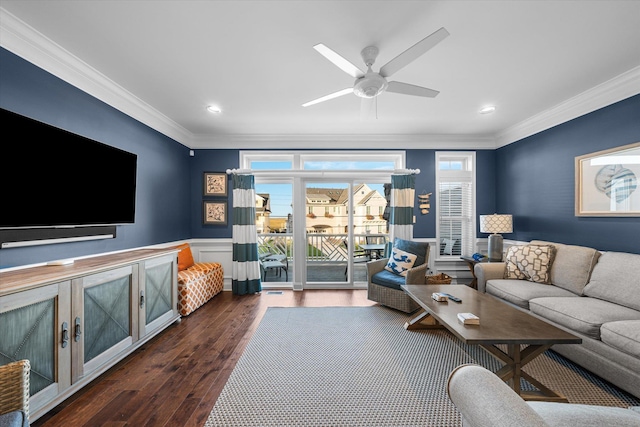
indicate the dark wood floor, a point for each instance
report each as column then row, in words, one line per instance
column 175, row 379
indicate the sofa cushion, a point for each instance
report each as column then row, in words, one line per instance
column 529, row 262
column 623, row 335
column 580, row 314
column 616, row 278
column 388, row 279
column 520, row 292
column 400, row 261
column 572, row 265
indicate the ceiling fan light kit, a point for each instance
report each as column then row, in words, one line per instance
column 371, row 84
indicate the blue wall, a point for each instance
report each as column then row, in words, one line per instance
column 535, row 180
column 163, row 207
column 210, row 161
column 425, row 226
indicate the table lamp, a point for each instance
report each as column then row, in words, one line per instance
column 496, row 224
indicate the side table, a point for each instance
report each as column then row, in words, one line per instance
column 471, row 262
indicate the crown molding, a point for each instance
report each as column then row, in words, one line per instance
column 21, row 39
column 618, row 88
column 334, row 141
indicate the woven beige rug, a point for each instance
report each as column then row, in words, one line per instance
column 358, row 366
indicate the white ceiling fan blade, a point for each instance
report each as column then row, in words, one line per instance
column 368, row 108
column 339, row 61
column 330, row 96
column 413, row 53
column 408, row 89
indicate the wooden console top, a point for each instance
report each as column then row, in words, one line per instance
column 33, row 277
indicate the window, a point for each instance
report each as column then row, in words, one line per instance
column 455, row 203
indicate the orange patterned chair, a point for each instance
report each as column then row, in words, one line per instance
column 198, row 282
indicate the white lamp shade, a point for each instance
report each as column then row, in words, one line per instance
column 496, row 224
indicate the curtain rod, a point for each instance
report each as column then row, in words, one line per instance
column 322, row 173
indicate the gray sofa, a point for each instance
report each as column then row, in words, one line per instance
column 594, row 295
column 484, row 400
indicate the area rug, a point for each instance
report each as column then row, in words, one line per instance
column 358, row 366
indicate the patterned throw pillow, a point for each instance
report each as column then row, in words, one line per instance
column 530, row 262
column 400, row 261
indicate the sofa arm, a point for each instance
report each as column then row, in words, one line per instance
column 376, row 266
column 485, row 271
column 484, row 400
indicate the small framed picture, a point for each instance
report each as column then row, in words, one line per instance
column 215, row 184
column 215, row 213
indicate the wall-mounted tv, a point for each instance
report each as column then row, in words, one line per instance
column 54, row 178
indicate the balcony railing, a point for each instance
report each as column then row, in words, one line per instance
column 322, row 247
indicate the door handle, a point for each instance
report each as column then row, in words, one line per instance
column 141, row 299
column 78, row 331
column 65, row 334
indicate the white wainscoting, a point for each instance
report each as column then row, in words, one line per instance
column 215, row 250
column 220, row 250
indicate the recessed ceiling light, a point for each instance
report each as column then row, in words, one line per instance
column 488, row 109
column 214, row 109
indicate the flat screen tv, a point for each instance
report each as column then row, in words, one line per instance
column 54, row 178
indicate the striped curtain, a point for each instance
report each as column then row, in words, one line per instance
column 402, row 202
column 246, row 267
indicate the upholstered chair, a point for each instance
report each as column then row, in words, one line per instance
column 484, row 400
column 385, row 277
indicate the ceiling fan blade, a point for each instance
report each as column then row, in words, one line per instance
column 408, row 89
column 368, row 108
column 413, row 53
column 339, row 61
column 330, row 96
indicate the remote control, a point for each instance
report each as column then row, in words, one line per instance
column 452, row 298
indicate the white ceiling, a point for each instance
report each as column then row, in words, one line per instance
column 162, row 62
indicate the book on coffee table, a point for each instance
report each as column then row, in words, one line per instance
column 468, row 318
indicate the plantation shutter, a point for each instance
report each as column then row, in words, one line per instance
column 455, row 207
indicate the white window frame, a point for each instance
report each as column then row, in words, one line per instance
column 299, row 176
column 467, row 176
column 298, row 158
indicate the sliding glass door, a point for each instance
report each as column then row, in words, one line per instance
column 320, row 218
column 344, row 228
column 274, row 224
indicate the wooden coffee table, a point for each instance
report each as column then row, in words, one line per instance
column 524, row 335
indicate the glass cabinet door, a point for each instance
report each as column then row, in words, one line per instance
column 103, row 320
column 36, row 326
column 157, row 293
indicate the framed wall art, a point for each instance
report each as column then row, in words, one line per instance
column 607, row 182
column 215, row 184
column 215, row 213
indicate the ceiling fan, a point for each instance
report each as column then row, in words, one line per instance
column 369, row 84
